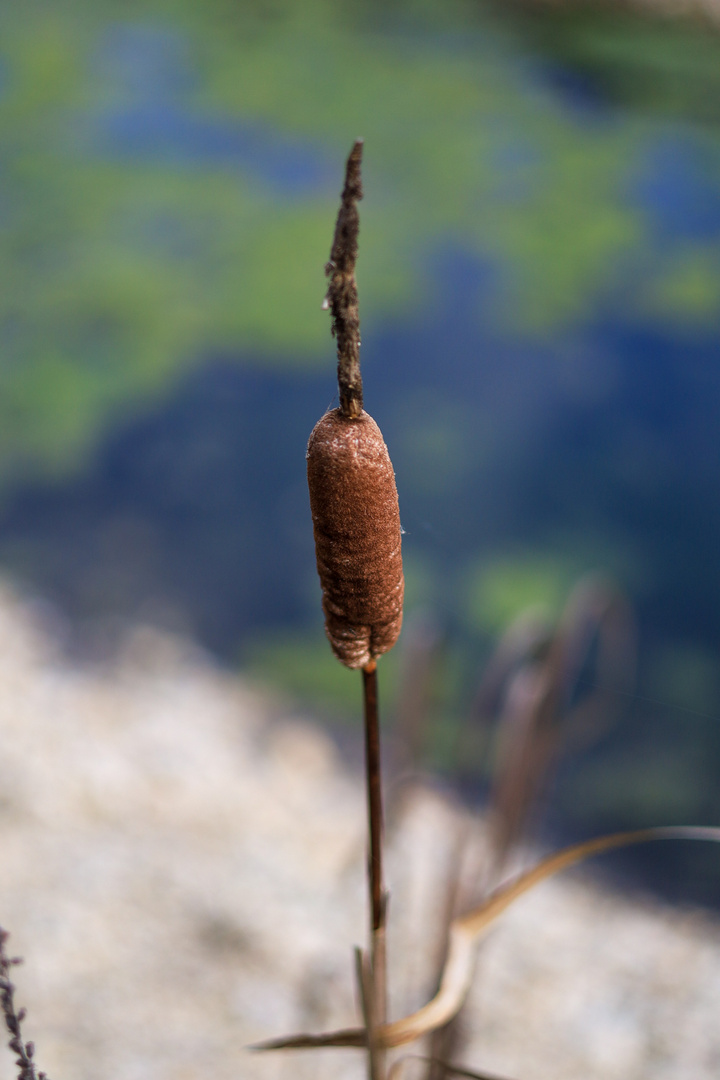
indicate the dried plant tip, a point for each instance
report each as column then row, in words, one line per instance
column 356, row 519
column 13, row 1019
column 342, row 297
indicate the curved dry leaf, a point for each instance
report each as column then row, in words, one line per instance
column 467, row 930
column 597, row 611
column 537, row 717
column 522, row 755
column 525, row 639
column 346, row 1037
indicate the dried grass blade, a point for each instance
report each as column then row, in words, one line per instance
column 538, row 718
column 346, row 1037
column 527, row 637
column 364, row 978
column 525, row 745
column 466, row 931
column 597, row 611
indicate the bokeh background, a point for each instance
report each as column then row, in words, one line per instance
column 540, row 298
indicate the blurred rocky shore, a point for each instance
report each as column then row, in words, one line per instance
column 182, row 871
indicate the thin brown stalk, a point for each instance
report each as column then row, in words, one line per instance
column 374, row 793
column 342, row 296
column 363, row 975
column 378, row 900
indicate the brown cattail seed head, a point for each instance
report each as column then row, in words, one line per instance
column 356, row 520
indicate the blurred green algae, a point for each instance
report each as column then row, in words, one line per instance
column 170, row 179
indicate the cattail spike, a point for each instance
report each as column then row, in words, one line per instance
column 356, row 519
column 353, row 497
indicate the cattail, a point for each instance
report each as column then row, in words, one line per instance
column 353, row 497
column 356, row 521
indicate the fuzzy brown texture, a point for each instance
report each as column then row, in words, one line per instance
column 356, row 520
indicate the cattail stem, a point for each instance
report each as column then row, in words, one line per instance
column 363, row 974
column 374, row 793
column 378, row 897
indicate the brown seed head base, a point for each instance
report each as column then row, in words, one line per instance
column 356, row 520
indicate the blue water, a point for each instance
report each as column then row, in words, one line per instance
column 677, row 185
column 167, row 133
column 149, row 115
